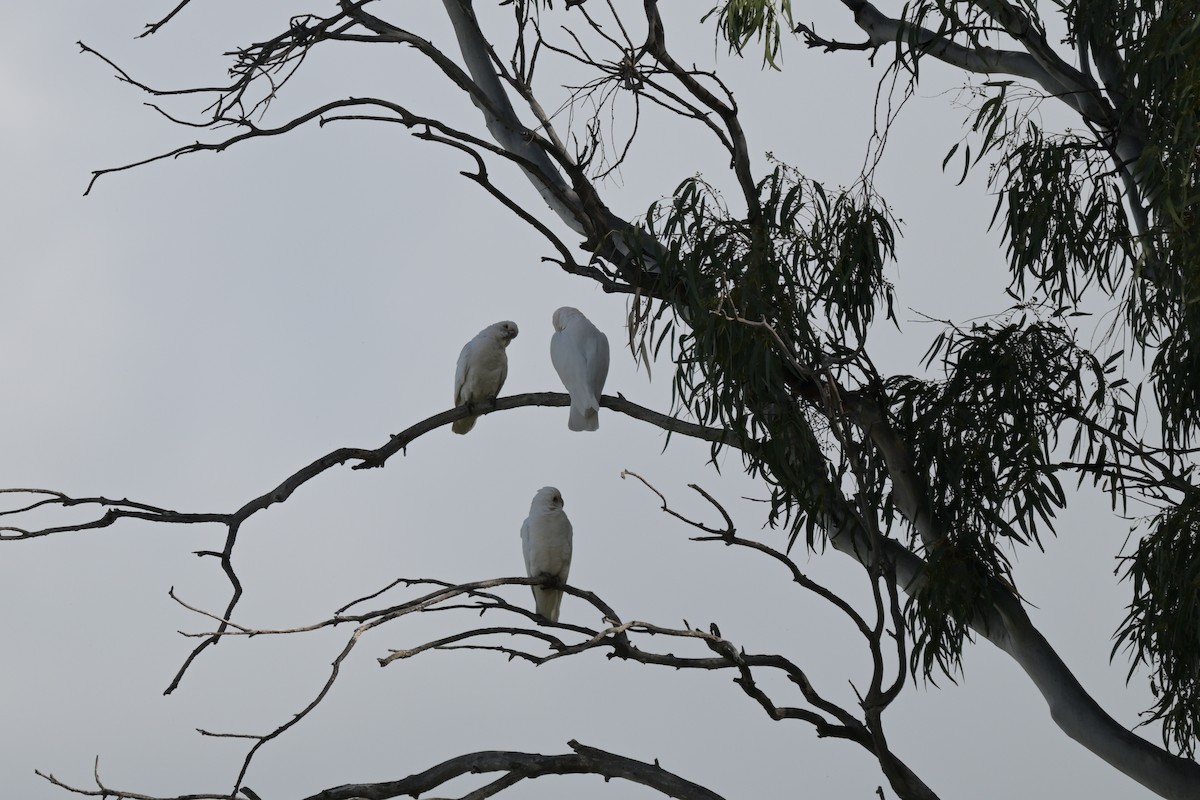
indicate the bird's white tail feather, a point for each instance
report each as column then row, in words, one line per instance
column 547, row 602
column 584, row 417
column 463, row 425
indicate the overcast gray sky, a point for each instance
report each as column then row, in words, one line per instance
column 196, row 330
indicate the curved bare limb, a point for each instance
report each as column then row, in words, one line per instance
column 729, row 537
column 1052, row 74
column 516, row 767
column 117, row 509
column 522, row 766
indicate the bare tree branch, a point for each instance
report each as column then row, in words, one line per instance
column 656, row 44
column 520, row 766
column 729, row 537
column 515, row 766
column 115, row 510
column 1056, row 77
column 560, row 640
column 103, row 791
column 153, row 27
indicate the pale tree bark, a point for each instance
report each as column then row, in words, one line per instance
column 1099, row 107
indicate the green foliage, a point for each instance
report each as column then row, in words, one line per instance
column 741, row 21
column 1162, row 628
column 1152, row 52
column 1069, row 227
column 985, row 438
column 767, row 300
column 1064, row 224
column 775, row 304
column 986, row 433
column 958, row 581
column 1108, row 211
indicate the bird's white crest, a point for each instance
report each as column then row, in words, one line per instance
column 546, row 544
column 579, row 352
column 482, row 368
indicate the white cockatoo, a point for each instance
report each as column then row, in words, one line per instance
column 546, row 543
column 482, row 368
column 579, row 352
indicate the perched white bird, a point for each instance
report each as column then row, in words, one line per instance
column 482, row 368
column 579, row 352
column 546, row 543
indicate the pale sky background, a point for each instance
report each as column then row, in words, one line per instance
column 197, row 330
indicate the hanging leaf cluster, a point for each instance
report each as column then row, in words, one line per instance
column 985, row 440
column 1162, row 628
column 771, row 304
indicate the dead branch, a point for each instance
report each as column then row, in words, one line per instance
column 103, row 791
column 114, row 509
column 729, row 537
column 620, row 639
column 520, row 766
column 515, row 766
